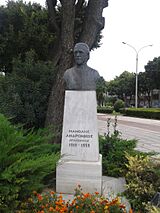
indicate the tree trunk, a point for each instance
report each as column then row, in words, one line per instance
column 64, row 56
column 55, row 105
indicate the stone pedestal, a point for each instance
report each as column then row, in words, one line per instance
column 80, row 161
column 70, row 174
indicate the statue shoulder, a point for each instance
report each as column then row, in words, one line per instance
column 68, row 72
column 94, row 72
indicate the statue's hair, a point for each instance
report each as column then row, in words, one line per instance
column 83, row 46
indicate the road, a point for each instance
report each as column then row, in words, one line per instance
column 146, row 131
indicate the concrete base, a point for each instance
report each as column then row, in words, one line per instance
column 70, row 174
column 112, row 186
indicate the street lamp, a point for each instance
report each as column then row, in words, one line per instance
column 137, row 52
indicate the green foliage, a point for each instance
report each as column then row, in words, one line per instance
column 26, row 159
column 105, row 109
column 26, row 40
column 152, row 209
column 26, row 26
column 110, row 100
column 23, row 27
column 153, row 72
column 101, row 91
column 143, row 181
column 119, row 104
column 113, row 150
column 122, row 86
column 24, row 93
column 145, row 85
column 153, row 113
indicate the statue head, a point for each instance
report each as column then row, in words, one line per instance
column 81, row 53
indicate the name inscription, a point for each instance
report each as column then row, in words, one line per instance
column 79, row 138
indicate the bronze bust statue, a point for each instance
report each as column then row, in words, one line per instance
column 81, row 76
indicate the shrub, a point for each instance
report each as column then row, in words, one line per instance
column 119, row 104
column 143, row 181
column 153, row 113
column 26, row 159
column 113, row 150
column 24, row 93
column 110, row 100
column 105, row 109
column 152, row 209
column 82, row 203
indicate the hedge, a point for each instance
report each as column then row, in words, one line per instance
column 105, row 109
column 152, row 113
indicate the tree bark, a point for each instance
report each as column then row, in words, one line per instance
column 94, row 22
column 64, row 59
column 55, row 105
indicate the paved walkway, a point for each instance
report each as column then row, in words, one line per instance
column 146, row 131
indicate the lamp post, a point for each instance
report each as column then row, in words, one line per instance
column 137, row 52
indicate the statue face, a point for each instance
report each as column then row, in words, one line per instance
column 80, row 55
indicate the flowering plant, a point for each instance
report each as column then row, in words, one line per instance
column 82, row 203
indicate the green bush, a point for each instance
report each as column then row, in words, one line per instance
column 24, row 92
column 113, row 150
column 119, row 104
column 105, row 109
column 26, row 161
column 110, row 100
column 143, row 181
column 152, row 113
column 152, row 209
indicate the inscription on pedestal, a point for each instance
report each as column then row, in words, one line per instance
column 79, row 138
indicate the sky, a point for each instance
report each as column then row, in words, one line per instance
column 135, row 22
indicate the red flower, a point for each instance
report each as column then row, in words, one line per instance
column 51, row 209
column 122, row 206
column 39, row 197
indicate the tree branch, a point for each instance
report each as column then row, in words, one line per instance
column 79, row 5
column 67, row 24
column 94, row 21
column 52, row 14
column 105, row 3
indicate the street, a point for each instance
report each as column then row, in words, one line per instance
column 146, row 131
